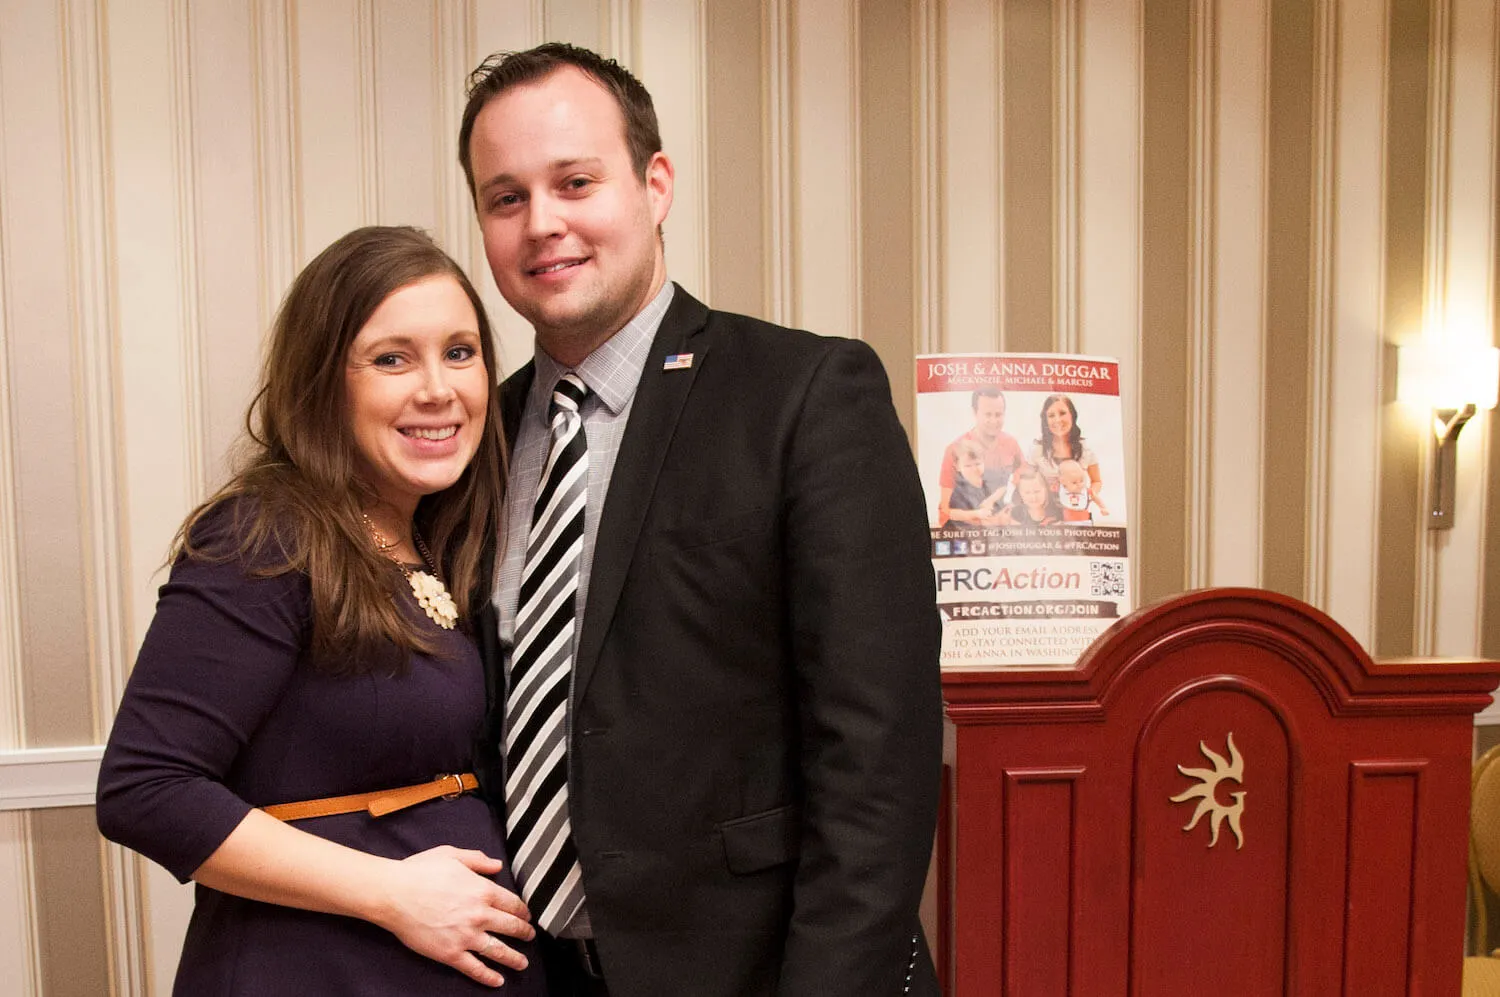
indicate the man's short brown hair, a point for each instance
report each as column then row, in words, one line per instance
column 504, row 71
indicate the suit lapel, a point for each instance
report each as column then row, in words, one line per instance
column 513, row 402
column 654, row 411
column 486, row 623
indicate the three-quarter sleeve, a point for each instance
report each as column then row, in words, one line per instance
column 220, row 651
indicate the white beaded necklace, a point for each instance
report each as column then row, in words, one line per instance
column 431, row 594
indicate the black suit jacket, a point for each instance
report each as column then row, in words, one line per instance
column 756, row 723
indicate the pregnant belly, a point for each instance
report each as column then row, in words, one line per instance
column 463, row 822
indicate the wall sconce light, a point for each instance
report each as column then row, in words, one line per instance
column 1454, row 380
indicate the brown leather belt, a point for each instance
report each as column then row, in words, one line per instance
column 378, row 803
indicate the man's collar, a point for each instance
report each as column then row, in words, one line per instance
column 614, row 368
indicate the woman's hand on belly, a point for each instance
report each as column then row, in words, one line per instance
column 441, row 904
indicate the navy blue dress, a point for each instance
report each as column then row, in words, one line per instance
column 222, row 713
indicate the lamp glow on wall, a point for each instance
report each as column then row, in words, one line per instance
column 1454, row 380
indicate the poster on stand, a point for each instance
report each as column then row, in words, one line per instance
column 1022, row 459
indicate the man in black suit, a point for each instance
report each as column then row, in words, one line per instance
column 735, row 609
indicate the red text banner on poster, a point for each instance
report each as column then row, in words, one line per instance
column 1018, row 372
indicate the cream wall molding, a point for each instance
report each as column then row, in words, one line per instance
column 697, row 41
column 1468, row 64
column 1358, row 331
column 1065, row 198
column 20, row 953
column 1490, row 446
column 670, row 49
column 1203, row 138
column 1109, row 215
column 855, row 154
column 927, row 172
column 1323, row 250
column 10, row 536
column 37, row 778
column 997, row 177
column 274, row 41
column 776, row 119
column 1434, row 302
column 824, row 96
column 158, row 466
column 149, row 173
column 453, row 28
column 188, row 185
column 1235, row 437
column 1132, row 409
column 621, row 31
column 21, row 965
column 366, row 72
column 969, row 199
column 91, row 246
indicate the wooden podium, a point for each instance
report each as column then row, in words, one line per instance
column 1225, row 797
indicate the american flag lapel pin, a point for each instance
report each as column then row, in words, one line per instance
column 677, row 361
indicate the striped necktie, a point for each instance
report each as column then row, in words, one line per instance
column 538, row 832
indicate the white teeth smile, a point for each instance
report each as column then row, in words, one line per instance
column 557, row 266
column 431, row 434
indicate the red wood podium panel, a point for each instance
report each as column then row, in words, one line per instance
column 1225, row 797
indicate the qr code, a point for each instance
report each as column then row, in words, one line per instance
column 1107, row 578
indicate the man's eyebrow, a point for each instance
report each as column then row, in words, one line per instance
column 505, row 179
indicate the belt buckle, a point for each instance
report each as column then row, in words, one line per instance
column 458, row 784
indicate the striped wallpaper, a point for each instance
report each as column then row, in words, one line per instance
column 1246, row 201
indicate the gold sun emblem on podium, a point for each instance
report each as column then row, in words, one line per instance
column 1206, row 788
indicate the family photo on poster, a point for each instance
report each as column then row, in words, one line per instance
column 1021, row 457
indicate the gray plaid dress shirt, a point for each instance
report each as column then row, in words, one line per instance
column 611, row 372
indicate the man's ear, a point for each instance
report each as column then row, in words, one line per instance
column 660, row 177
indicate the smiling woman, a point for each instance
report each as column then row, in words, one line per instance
column 418, row 386
column 294, row 696
column 1061, row 442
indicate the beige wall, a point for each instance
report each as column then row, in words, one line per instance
column 1244, row 201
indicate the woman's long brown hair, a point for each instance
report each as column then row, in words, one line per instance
column 297, row 497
